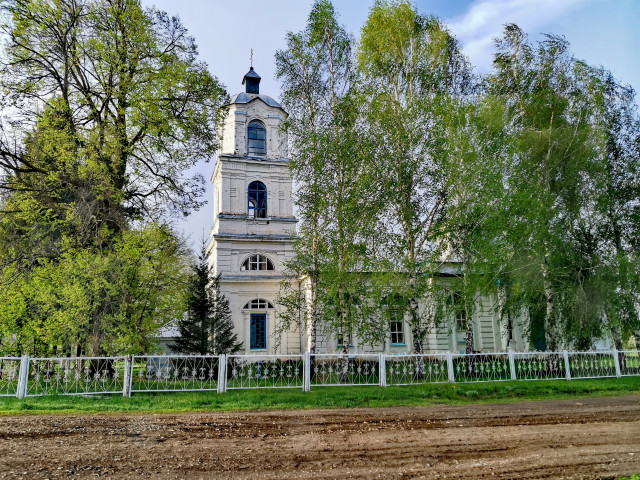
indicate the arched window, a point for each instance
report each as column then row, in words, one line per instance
column 257, row 262
column 257, row 200
column 258, row 304
column 257, row 136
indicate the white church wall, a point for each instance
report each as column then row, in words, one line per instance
column 235, row 236
column 233, row 133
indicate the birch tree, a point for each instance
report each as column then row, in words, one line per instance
column 549, row 121
column 320, row 94
column 412, row 66
column 478, row 165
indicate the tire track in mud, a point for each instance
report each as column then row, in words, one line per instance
column 573, row 439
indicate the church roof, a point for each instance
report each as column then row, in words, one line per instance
column 251, row 74
column 250, row 97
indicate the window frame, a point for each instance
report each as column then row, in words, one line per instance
column 256, row 127
column 257, row 260
column 258, row 304
column 395, row 322
column 258, row 331
column 257, row 199
column 459, row 312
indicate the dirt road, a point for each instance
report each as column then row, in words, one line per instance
column 586, row 438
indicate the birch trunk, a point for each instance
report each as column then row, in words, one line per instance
column 550, row 326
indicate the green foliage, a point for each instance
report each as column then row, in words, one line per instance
column 522, row 184
column 206, row 327
column 136, row 99
column 105, row 106
column 320, row 91
column 568, row 125
column 475, row 222
column 414, row 71
column 95, row 303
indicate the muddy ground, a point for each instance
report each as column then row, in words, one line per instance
column 586, row 438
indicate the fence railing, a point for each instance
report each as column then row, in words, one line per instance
column 152, row 373
column 416, row 369
column 26, row 376
column 72, row 376
column 343, row 369
column 9, row 373
column 540, row 365
column 264, row 371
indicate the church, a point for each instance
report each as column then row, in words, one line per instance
column 253, row 233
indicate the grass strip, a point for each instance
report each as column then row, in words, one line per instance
column 323, row 397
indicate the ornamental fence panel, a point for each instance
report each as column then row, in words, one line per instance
column 171, row 373
column 264, row 371
column 540, row 366
column 592, row 364
column 9, row 374
column 344, row 370
column 481, row 367
column 629, row 363
column 27, row 376
column 75, row 376
column 416, row 369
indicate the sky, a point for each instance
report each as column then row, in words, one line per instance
column 601, row 32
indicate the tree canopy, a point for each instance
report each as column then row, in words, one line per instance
column 105, row 108
column 521, row 184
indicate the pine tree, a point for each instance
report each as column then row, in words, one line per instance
column 222, row 339
column 206, row 328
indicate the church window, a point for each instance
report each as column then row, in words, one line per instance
column 257, row 262
column 397, row 328
column 394, row 307
column 257, row 135
column 258, row 304
column 257, row 197
column 456, row 301
column 344, row 338
column 258, row 331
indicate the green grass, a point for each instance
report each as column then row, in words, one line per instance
column 635, row 476
column 324, row 397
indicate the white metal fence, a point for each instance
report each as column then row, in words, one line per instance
column 416, row 369
column 72, row 376
column 25, row 376
column 540, row 365
column 152, row 373
column 264, row 371
column 9, row 373
column 343, row 369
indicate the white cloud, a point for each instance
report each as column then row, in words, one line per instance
column 485, row 19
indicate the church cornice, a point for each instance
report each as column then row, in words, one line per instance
column 254, row 237
column 245, row 217
column 248, row 159
column 252, row 278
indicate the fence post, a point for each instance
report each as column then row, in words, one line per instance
column 512, row 364
column 450, row 372
column 23, row 377
column 616, row 362
column 306, row 378
column 128, row 374
column 222, row 374
column 382, row 369
column 567, row 370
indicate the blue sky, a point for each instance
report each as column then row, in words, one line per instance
column 602, row 32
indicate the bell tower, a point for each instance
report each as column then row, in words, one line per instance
column 253, row 225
